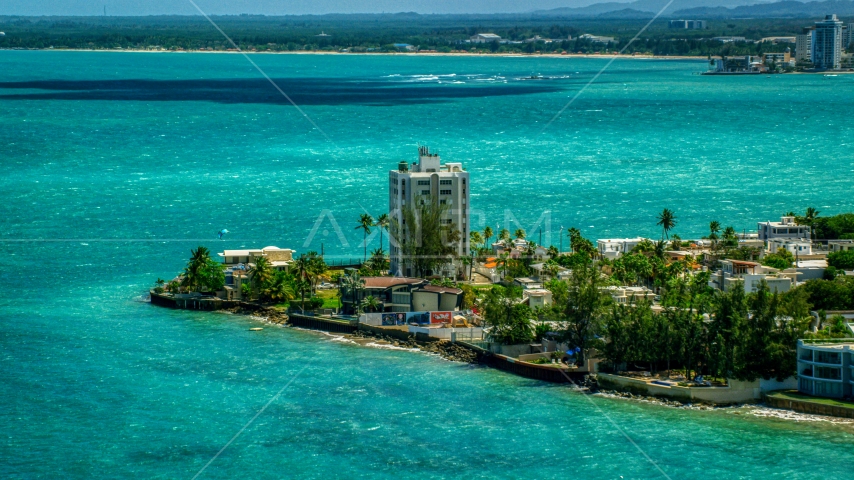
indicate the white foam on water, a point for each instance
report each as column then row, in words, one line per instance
column 339, row 338
column 391, row 347
column 769, row 412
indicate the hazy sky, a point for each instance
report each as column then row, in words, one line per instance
column 277, row 7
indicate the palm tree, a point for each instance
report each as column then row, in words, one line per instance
column 714, row 228
column 475, row 239
column 519, row 233
column 281, row 288
column 504, row 234
column 200, row 258
column 676, row 242
column 503, row 260
column 378, row 261
column 809, row 218
column 352, row 283
column 381, row 223
column 300, row 268
column 730, row 238
column 467, row 262
column 365, row 224
column 487, row 234
column 574, row 235
column 260, row 274
column 371, row 303
column 666, row 220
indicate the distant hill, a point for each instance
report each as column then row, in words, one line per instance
column 784, row 9
column 627, row 10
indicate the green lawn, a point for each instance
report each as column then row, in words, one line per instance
column 330, row 298
column 793, row 395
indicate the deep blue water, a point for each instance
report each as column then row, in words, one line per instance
column 115, row 165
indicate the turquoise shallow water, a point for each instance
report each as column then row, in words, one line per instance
column 115, row 165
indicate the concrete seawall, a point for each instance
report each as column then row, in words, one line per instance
column 805, row 406
column 191, row 303
column 322, row 324
column 736, row 392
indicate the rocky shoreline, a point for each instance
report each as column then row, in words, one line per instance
column 443, row 348
column 589, row 386
column 268, row 314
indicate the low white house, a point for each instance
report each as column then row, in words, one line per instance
column 810, row 269
column 840, row 245
column 279, row 258
column 541, row 272
column 598, row 38
column 795, row 247
column 537, row 297
column 750, row 275
column 484, row 38
column 626, row 294
column 612, row 248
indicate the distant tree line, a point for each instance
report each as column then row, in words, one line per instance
column 380, row 33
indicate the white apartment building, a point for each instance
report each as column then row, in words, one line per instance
column 612, row 248
column 784, row 229
column 428, row 180
column 827, row 43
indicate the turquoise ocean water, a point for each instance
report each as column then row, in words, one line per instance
column 116, row 164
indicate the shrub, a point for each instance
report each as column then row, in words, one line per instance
column 780, row 260
column 843, row 260
column 314, row 303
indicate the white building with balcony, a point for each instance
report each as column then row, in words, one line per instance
column 785, row 229
column 826, row 367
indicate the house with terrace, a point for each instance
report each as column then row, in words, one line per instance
column 401, row 294
column 279, row 258
column 749, row 275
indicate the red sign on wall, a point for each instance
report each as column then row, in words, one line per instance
column 440, row 317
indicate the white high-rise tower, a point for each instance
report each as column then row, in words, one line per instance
column 428, row 180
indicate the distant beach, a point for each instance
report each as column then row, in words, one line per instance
column 404, row 54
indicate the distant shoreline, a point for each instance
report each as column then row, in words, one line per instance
column 405, row 54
